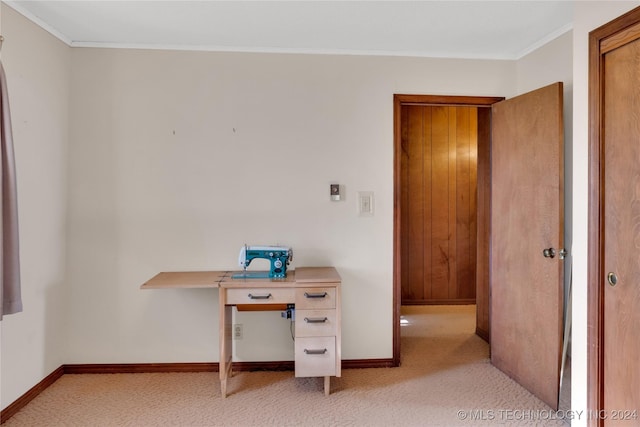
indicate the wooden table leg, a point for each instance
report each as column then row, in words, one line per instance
column 327, row 385
column 223, row 388
column 226, row 350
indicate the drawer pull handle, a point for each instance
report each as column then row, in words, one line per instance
column 315, row 320
column 318, row 295
column 251, row 296
column 307, row 351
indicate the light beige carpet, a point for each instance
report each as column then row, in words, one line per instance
column 445, row 379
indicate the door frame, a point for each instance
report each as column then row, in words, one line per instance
column 601, row 41
column 400, row 100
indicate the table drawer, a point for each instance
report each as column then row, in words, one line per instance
column 260, row 296
column 315, row 356
column 315, row 323
column 314, row 298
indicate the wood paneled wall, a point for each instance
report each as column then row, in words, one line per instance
column 438, row 204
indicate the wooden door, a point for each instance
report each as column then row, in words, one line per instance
column 615, row 235
column 527, row 217
column 438, row 204
column 622, row 227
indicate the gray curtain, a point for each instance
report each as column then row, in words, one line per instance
column 10, row 296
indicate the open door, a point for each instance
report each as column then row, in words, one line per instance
column 527, row 217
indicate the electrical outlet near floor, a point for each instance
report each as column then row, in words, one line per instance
column 237, row 331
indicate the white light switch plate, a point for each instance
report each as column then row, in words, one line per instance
column 365, row 203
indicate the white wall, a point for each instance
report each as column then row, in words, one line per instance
column 548, row 64
column 143, row 199
column 37, row 67
column 179, row 158
column 588, row 16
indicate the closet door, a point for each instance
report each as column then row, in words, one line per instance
column 617, row 282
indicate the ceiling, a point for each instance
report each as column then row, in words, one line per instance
column 453, row 29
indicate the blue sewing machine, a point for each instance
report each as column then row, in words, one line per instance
column 278, row 256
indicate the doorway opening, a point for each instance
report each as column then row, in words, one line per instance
column 449, row 260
